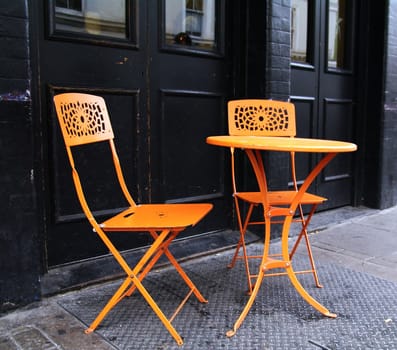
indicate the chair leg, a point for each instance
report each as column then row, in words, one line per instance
column 241, row 231
column 166, row 322
column 242, row 228
column 185, row 277
column 135, row 281
column 149, row 265
column 163, row 249
column 109, row 306
column 305, row 222
column 142, row 274
column 310, row 253
column 241, row 243
column 247, row 268
column 117, row 297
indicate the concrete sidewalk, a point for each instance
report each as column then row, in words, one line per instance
column 359, row 239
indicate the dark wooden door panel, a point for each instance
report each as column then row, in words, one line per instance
column 163, row 99
column 323, row 90
column 189, row 83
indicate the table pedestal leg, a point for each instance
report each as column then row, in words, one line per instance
column 268, row 263
column 285, row 234
column 295, row 282
column 247, row 307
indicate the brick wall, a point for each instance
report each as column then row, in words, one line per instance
column 19, row 262
column 278, row 76
column 268, row 42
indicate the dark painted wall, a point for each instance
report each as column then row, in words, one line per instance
column 373, row 49
column 388, row 145
column 380, row 104
column 19, row 258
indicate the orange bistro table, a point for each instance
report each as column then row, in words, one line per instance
column 253, row 145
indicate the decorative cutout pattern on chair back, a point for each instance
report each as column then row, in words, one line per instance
column 261, row 118
column 83, row 118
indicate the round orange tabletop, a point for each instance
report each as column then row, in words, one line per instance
column 282, row 144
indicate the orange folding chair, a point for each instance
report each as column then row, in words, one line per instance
column 84, row 119
column 267, row 118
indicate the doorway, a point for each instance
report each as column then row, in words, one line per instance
column 323, row 88
column 164, row 70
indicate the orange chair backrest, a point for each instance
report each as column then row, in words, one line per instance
column 261, row 118
column 83, row 118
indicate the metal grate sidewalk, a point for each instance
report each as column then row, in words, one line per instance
column 279, row 319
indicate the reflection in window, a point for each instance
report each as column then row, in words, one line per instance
column 299, row 31
column 190, row 23
column 337, row 33
column 194, row 17
column 69, row 4
column 95, row 17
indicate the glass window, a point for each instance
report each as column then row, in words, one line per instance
column 69, row 4
column 299, row 31
column 191, row 23
column 194, row 17
column 337, row 34
column 93, row 17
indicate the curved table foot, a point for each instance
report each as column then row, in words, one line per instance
column 230, row 333
column 305, row 295
column 247, row 307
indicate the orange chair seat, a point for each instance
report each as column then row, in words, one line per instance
column 279, row 198
column 157, row 216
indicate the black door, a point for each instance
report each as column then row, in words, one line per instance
column 323, row 87
column 163, row 69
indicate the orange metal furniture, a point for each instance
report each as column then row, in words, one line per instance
column 268, row 118
column 84, row 119
column 253, row 145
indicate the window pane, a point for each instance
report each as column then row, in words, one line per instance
column 69, row 4
column 337, row 34
column 194, row 5
column 95, row 17
column 190, row 23
column 299, row 30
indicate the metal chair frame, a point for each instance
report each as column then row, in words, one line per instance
column 84, row 119
column 253, row 117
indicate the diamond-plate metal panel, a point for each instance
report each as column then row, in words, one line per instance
column 279, row 319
